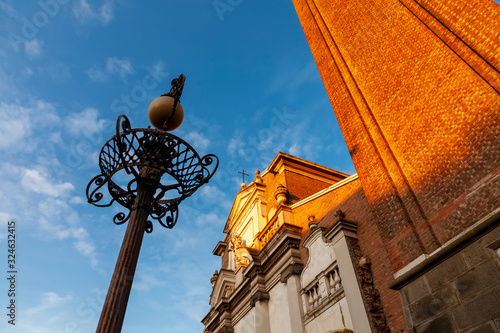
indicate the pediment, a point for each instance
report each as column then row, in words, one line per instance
column 224, row 286
column 244, row 203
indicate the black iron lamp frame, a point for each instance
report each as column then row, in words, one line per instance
column 160, row 170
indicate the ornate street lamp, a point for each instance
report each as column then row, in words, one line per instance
column 160, row 170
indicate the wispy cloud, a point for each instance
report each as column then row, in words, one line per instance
column 49, row 301
column 291, row 79
column 198, row 140
column 27, row 72
column 85, row 122
column 235, row 143
column 33, row 47
column 87, row 13
column 17, row 124
column 97, row 74
column 147, row 278
column 49, row 212
column 7, row 9
column 57, row 71
column 38, row 182
column 213, row 195
column 118, row 66
column 58, row 220
column 114, row 66
column 283, row 133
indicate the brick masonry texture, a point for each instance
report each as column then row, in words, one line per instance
column 415, row 88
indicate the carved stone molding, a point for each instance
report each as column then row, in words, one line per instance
column 371, row 296
column 259, row 296
column 226, row 329
column 292, row 269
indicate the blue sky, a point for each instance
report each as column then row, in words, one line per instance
column 68, row 68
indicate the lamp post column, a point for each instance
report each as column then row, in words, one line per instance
column 146, row 154
column 115, row 305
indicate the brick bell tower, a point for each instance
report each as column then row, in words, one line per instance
column 415, row 86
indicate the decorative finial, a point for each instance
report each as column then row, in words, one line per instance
column 338, row 214
column 281, row 195
column 313, row 224
column 213, row 279
column 258, row 178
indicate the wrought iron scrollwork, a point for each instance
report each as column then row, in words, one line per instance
column 175, row 92
column 177, row 87
column 129, row 152
column 93, row 196
column 121, row 218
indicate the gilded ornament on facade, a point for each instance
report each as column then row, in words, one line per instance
column 241, row 255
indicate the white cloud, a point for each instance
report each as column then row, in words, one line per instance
column 59, row 220
column 295, row 149
column 121, row 67
column 235, row 143
column 260, row 146
column 33, row 47
column 27, row 72
column 38, row 182
column 4, row 218
column 15, row 124
column 85, row 13
column 84, row 247
column 196, row 139
column 53, row 216
column 147, row 281
column 77, row 200
column 205, row 219
column 86, row 122
column 49, row 301
column 97, row 75
column 213, row 194
column 6, row 8
column 114, row 66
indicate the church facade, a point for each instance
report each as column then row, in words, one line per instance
column 285, row 270
column 411, row 243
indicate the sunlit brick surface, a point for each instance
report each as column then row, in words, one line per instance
column 415, row 88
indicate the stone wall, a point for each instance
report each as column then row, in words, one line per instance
column 460, row 294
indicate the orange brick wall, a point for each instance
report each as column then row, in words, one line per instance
column 272, row 181
column 301, row 187
column 421, row 125
column 415, row 88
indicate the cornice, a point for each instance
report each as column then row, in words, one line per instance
column 283, row 161
column 219, row 248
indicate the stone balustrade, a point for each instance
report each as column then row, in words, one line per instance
column 324, row 289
